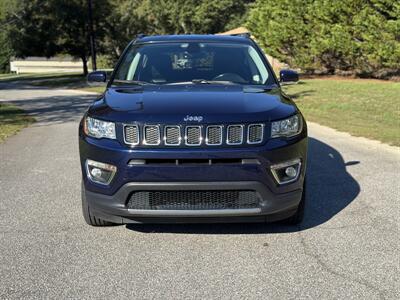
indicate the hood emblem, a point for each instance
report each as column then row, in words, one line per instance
column 193, row 118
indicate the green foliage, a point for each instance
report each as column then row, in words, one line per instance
column 12, row 120
column 6, row 51
column 190, row 16
column 280, row 27
column 105, row 62
column 46, row 28
column 125, row 22
column 129, row 18
column 362, row 107
column 346, row 37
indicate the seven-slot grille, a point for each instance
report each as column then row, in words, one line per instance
column 194, row 135
column 193, row 200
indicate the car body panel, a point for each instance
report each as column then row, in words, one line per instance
column 170, row 104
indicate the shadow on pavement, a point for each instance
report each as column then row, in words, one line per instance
column 330, row 189
column 56, row 109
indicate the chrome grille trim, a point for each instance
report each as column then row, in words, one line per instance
column 193, row 138
column 230, row 134
column 210, row 138
column 176, row 135
column 133, row 137
column 193, row 135
column 151, row 134
column 257, row 136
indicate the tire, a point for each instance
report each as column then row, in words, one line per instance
column 88, row 215
column 298, row 217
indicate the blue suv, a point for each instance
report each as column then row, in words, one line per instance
column 193, row 128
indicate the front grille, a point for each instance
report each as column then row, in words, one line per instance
column 235, row 135
column 151, row 135
column 214, row 135
column 131, row 134
column 255, row 133
column 193, row 135
column 172, row 135
column 193, row 200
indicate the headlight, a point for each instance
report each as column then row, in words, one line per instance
column 99, row 129
column 287, row 128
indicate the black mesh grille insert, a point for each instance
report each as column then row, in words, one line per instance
column 193, row 135
column 132, row 134
column 193, row 200
column 152, row 135
column 235, row 134
column 172, row 135
column 214, row 135
column 255, row 133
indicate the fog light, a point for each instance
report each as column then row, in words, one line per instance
column 96, row 172
column 286, row 172
column 99, row 172
column 291, row 172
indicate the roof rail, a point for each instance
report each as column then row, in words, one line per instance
column 244, row 34
column 140, row 35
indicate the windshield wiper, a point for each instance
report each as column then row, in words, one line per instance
column 203, row 81
column 133, row 82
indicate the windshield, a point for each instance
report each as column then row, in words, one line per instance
column 169, row 63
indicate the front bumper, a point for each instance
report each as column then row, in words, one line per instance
column 272, row 206
column 110, row 202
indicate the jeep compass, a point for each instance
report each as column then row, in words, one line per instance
column 193, row 128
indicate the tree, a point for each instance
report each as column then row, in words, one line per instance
column 281, row 28
column 7, row 7
column 56, row 27
column 60, row 26
column 359, row 37
column 131, row 17
column 124, row 23
column 191, row 16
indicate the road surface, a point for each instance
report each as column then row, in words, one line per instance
column 348, row 246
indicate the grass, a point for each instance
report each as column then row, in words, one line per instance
column 368, row 108
column 37, row 77
column 71, row 80
column 62, row 80
column 94, row 89
column 12, row 120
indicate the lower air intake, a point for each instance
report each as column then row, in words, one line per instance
column 193, row 200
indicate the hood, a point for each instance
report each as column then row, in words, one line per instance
column 193, row 103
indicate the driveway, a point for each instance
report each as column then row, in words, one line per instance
column 348, row 246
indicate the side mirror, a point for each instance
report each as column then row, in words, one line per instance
column 97, row 76
column 288, row 77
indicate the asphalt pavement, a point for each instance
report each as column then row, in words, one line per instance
column 347, row 247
